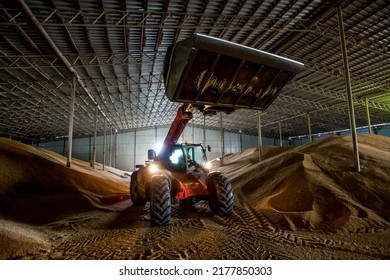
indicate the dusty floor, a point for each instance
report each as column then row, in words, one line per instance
column 195, row 234
column 271, row 221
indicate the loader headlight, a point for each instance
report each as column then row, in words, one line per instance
column 153, row 168
column 208, row 165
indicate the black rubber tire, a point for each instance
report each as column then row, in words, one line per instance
column 135, row 196
column 160, row 201
column 221, row 198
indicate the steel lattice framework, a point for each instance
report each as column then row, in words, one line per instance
column 116, row 49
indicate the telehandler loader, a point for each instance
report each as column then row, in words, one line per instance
column 210, row 75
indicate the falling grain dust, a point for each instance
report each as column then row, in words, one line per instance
column 302, row 202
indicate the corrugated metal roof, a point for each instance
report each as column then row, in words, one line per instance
column 117, row 49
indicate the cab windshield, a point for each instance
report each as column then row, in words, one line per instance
column 176, row 159
column 183, row 158
column 195, row 156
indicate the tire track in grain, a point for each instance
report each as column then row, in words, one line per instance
column 324, row 241
column 102, row 244
column 171, row 241
column 245, row 236
column 284, row 243
column 198, row 234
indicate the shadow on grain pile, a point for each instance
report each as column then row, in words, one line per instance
column 315, row 186
column 296, row 203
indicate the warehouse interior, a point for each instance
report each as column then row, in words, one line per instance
column 84, row 79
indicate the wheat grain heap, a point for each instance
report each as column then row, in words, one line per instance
column 50, row 211
column 315, row 186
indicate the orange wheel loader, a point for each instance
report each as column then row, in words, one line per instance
column 210, row 75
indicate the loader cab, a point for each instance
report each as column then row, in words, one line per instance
column 196, row 158
column 184, row 158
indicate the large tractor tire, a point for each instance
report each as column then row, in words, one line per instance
column 221, row 194
column 135, row 196
column 160, row 201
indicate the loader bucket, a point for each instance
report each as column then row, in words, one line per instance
column 206, row 71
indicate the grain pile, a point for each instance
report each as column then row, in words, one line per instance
column 315, row 186
column 37, row 185
column 302, row 202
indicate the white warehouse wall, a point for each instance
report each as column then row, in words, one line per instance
column 128, row 149
column 383, row 131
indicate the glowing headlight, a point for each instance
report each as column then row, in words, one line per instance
column 153, row 168
column 208, row 165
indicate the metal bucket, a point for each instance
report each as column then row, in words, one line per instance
column 209, row 72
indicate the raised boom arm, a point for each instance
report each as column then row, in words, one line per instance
column 184, row 115
column 213, row 75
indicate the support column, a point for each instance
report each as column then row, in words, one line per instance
column 222, row 138
column 280, row 135
column 90, row 148
column 135, row 147
column 110, row 148
column 64, row 147
column 259, row 134
column 349, row 89
column 155, row 136
column 115, row 147
column 368, row 117
column 71, row 117
column 104, row 144
column 309, row 126
column 193, row 133
column 94, row 139
column 240, row 132
column 204, row 131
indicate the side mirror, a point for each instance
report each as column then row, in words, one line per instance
column 209, row 148
column 151, row 154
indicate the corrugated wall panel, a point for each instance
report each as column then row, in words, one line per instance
column 131, row 148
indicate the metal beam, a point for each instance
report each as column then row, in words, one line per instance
column 204, row 131
column 368, row 117
column 94, row 139
column 333, row 72
column 47, row 37
column 135, row 148
column 338, row 95
column 259, row 134
column 349, row 89
column 309, row 126
column 222, row 137
column 110, row 149
column 104, row 144
column 280, row 134
column 71, row 117
column 116, row 19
